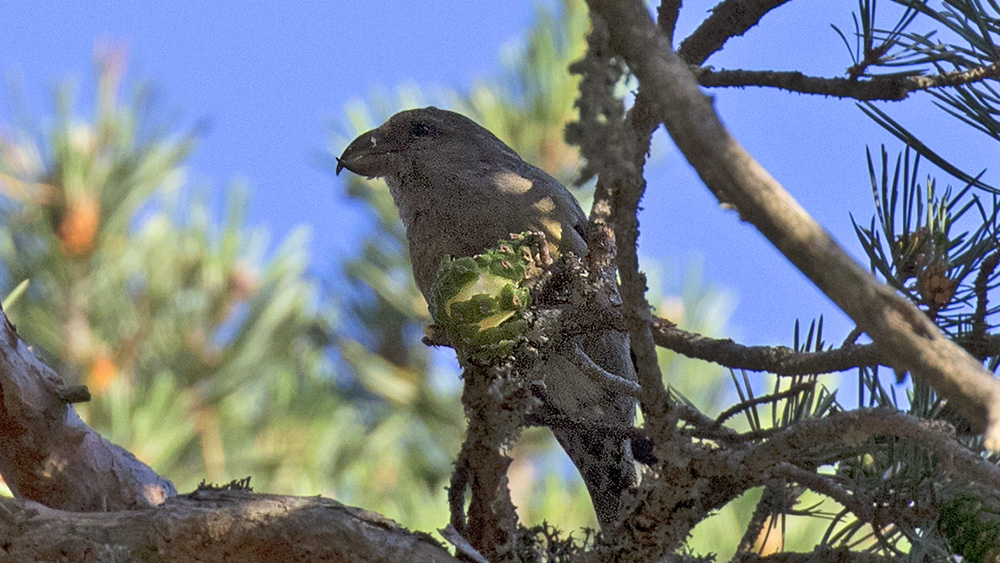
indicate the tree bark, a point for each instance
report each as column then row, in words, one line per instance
column 212, row 525
column 48, row 455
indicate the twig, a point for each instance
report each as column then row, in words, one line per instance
column 891, row 88
column 842, row 432
column 819, row 555
column 494, row 420
column 825, row 486
column 761, row 513
column 779, row 360
column 461, row 544
column 978, row 331
column 730, row 18
column 784, row 361
column 666, row 16
column 609, row 381
column 773, row 397
column 456, row 490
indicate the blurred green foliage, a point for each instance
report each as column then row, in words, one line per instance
column 197, row 349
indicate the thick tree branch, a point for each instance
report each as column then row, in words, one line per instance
column 619, row 188
column 828, row 439
column 495, row 416
column 891, row 88
column 910, row 339
column 730, row 18
column 49, row 455
column 212, row 526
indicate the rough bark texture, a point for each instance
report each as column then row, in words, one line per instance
column 49, row 455
column 492, row 519
column 211, row 526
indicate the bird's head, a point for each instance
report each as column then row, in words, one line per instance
column 414, row 134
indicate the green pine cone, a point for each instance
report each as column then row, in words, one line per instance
column 480, row 301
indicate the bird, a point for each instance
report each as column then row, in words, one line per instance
column 460, row 190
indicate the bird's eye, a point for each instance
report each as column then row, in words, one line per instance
column 419, row 130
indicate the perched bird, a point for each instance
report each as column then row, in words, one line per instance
column 460, row 190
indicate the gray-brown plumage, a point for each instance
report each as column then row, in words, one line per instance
column 459, row 191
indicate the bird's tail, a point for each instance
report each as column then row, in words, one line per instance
column 604, row 459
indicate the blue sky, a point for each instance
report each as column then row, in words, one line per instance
column 271, row 78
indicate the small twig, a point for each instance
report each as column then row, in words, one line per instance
column 779, row 360
column 456, row 490
column 730, row 18
column 666, row 16
column 824, row 486
column 773, row 397
column 891, row 88
column 765, row 508
column 461, row 544
column 852, row 337
column 784, row 361
column 74, row 394
column 978, row 331
column 609, row 381
column 821, row 554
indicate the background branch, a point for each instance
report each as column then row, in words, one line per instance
column 782, row 360
column 890, row 88
column 730, row 18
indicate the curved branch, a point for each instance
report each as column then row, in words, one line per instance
column 731, row 18
column 889, row 88
column 49, row 455
column 910, row 340
column 843, row 432
column 213, row 526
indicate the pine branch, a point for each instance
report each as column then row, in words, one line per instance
column 779, row 360
column 885, row 87
column 619, row 188
column 213, row 526
column 828, row 439
column 784, row 361
column 730, row 18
